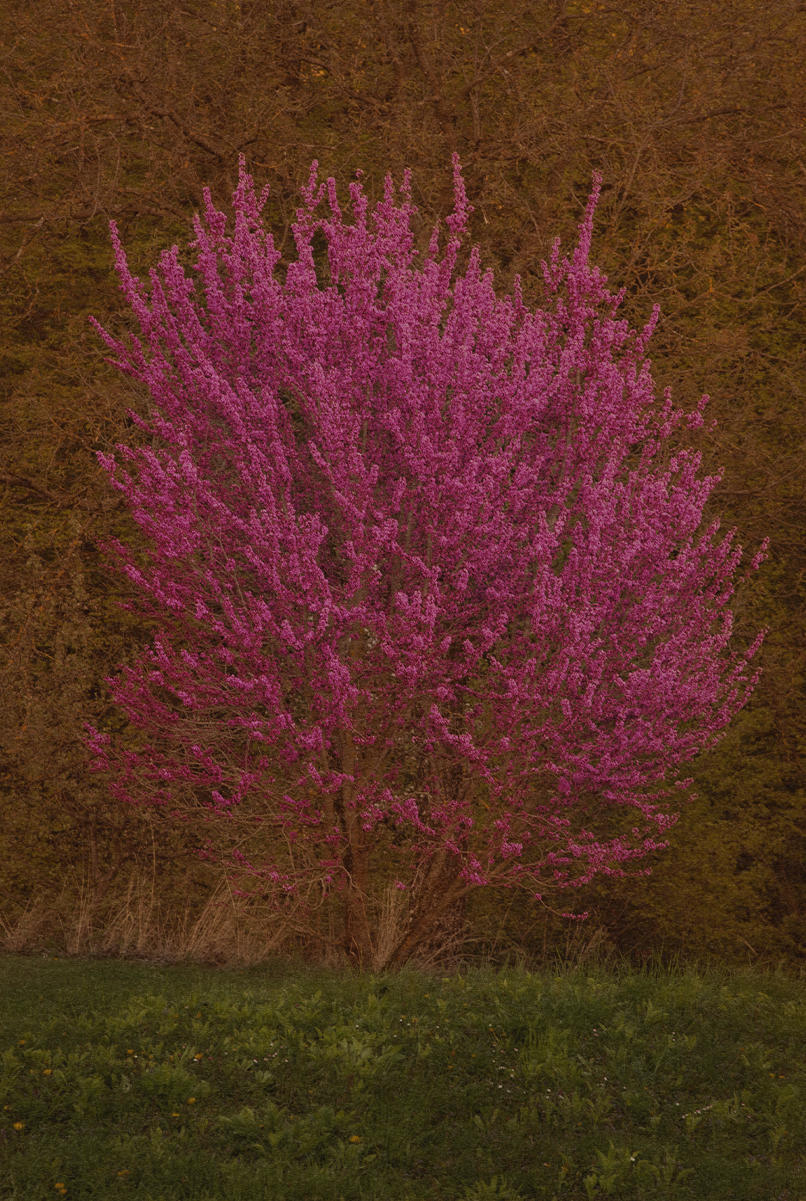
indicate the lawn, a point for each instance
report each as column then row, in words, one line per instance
column 123, row 1079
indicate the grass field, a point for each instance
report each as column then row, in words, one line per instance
column 123, row 1079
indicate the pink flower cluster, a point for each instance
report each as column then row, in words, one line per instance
column 425, row 576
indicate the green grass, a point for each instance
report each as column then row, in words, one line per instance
column 128, row 1080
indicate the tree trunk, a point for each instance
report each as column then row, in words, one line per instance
column 439, row 893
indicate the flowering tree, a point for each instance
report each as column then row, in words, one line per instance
column 427, row 583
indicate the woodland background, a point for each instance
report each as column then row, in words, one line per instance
column 694, row 112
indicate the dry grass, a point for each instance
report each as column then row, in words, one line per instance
column 143, row 921
column 139, row 924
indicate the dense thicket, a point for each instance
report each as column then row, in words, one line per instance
column 694, row 113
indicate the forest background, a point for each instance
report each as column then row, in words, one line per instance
column 694, row 112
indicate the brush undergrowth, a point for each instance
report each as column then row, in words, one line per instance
column 130, row 1080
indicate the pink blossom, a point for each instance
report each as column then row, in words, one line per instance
column 423, row 581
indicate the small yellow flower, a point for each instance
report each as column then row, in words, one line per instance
column 130, row 1052
column 59, row 1184
column 124, row 1172
column 48, row 1072
column 199, row 1056
column 176, row 1115
column 22, row 1042
column 19, row 1125
column 355, row 1138
column 191, row 1100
